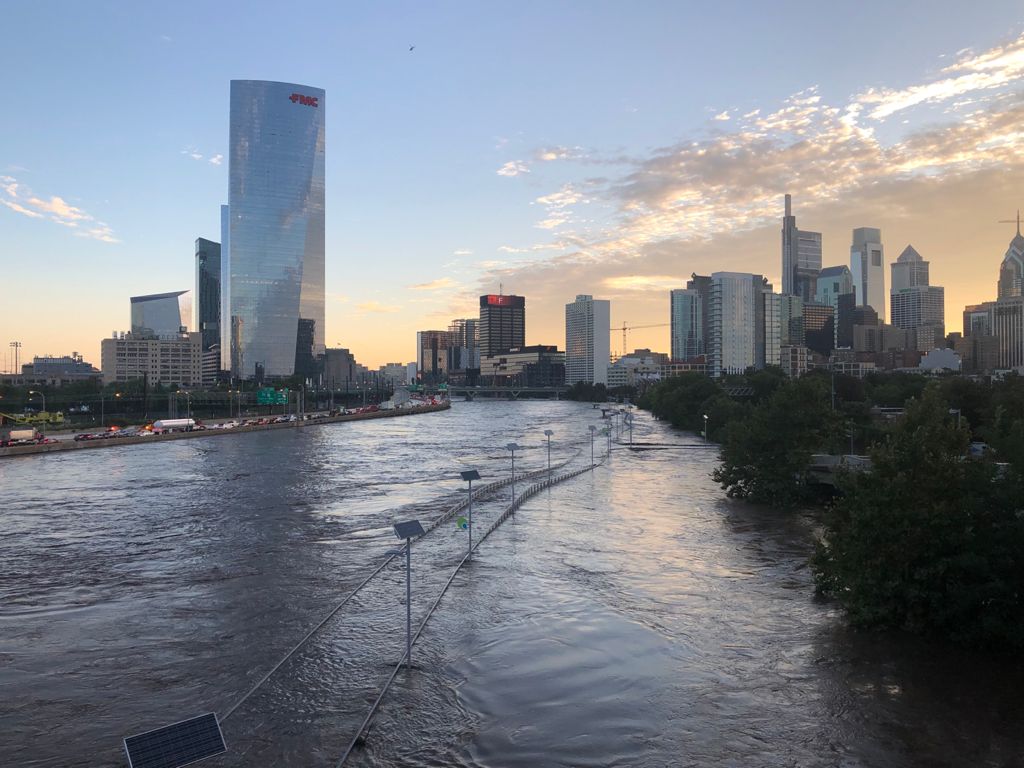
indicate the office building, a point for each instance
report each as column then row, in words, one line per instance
column 702, row 285
column 1008, row 328
column 169, row 360
column 1011, row 271
column 539, row 365
column 801, row 257
column 587, row 340
column 978, row 319
column 791, row 320
column 687, row 323
column 273, row 243
column 161, row 315
column 464, row 345
column 914, row 304
column 743, row 323
column 341, row 371
column 395, row 374
column 909, row 270
column 794, row 360
column 819, row 328
column 207, row 293
column 502, row 324
column 432, row 356
column 867, row 266
column 52, row 371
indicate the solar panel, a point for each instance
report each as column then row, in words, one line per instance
column 470, row 474
column 408, row 529
column 175, row 745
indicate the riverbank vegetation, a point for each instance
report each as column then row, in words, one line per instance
column 930, row 536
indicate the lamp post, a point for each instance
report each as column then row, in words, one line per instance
column 608, row 435
column 593, row 429
column 548, row 433
column 37, row 392
column 629, row 423
column 705, row 429
column 512, row 447
column 470, row 476
column 406, row 531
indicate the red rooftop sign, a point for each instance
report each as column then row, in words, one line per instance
column 309, row 101
column 499, row 301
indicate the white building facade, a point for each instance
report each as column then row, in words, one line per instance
column 587, row 340
column 867, row 265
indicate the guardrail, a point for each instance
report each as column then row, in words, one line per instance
column 530, row 491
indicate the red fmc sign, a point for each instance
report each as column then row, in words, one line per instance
column 499, row 301
column 309, row 101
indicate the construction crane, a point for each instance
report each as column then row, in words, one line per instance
column 627, row 327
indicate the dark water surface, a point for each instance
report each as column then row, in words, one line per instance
column 631, row 616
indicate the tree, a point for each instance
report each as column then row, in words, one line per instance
column 766, row 456
column 928, row 540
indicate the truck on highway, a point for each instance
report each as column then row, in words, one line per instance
column 173, row 425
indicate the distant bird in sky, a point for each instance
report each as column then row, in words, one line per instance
column 412, row 48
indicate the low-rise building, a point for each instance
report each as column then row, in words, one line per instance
column 169, row 360
column 794, row 360
column 539, row 365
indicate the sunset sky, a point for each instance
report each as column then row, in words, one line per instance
column 551, row 148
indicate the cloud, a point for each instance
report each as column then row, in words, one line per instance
column 694, row 201
column 644, row 283
column 20, row 199
column 996, row 68
column 550, row 154
column 377, row 307
column 434, row 285
column 192, row 152
column 217, row 159
column 513, row 168
column 195, row 154
column 462, row 252
column 723, row 116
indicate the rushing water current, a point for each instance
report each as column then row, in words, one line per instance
column 630, row 616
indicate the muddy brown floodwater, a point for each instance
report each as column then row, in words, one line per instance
column 630, row 616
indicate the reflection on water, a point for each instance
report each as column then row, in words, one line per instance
column 633, row 616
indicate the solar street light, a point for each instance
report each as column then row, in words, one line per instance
column 469, row 476
column 407, row 531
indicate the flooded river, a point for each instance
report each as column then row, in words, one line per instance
column 630, row 616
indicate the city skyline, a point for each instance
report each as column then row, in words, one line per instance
column 445, row 191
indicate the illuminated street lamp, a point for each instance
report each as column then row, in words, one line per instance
column 37, row 392
column 705, row 429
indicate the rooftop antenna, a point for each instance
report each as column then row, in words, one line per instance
column 1011, row 221
column 500, row 286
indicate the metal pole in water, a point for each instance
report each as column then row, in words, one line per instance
column 470, row 520
column 408, row 604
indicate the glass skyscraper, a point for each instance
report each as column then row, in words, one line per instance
column 273, row 244
column 161, row 315
column 207, row 302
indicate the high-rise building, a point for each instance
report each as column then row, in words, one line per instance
column 801, row 257
column 687, row 323
column 273, row 249
column 587, row 340
column 340, row 369
column 1011, row 271
column 914, row 304
column 791, row 321
column 743, row 323
column 702, row 285
column 502, row 324
column 161, row 315
column 207, row 303
column 909, row 270
column 432, row 355
column 978, row 319
column 464, row 349
column 819, row 328
column 833, row 282
column 867, row 265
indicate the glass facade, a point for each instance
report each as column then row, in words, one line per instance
column 687, row 323
column 161, row 315
column 208, row 292
column 274, row 239
column 502, row 324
